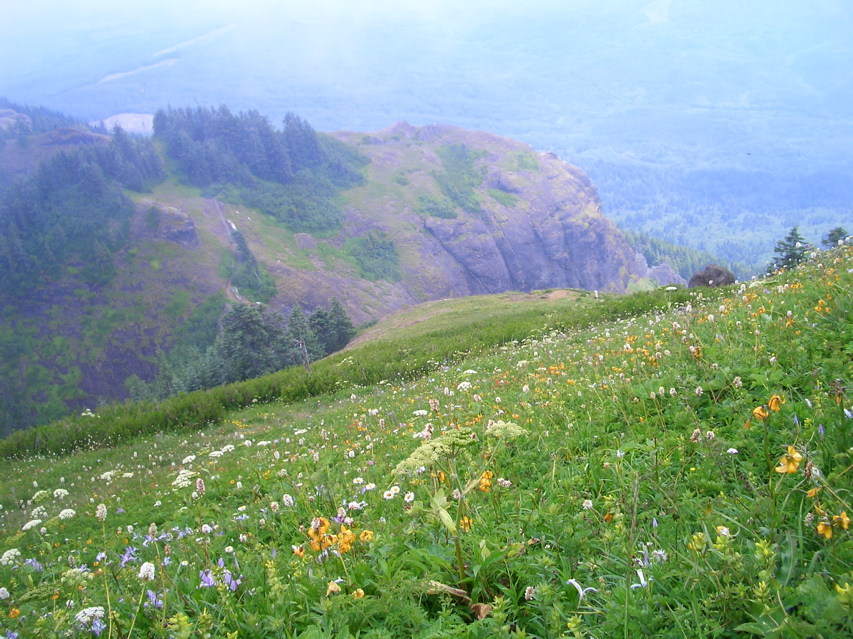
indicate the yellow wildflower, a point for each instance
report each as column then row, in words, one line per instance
column 486, row 481
column 760, row 413
column 825, row 528
column 358, row 594
column 812, row 492
column 790, row 462
column 775, row 403
column 366, row 536
column 465, row 524
column 345, row 539
column 332, row 589
column 841, row 521
column 319, row 527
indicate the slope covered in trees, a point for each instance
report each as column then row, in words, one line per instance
column 72, row 208
column 291, row 174
column 253, row 340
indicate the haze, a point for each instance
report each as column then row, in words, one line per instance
column 760, row 89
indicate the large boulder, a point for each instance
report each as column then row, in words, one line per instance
column 712, row 275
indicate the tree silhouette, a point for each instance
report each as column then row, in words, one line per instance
column 790, row 251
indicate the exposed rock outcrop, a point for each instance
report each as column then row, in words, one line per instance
column 661, row 274
column 178, row 227
column 539, row 224
column 712, row 275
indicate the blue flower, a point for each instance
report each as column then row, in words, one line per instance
column 207, row 580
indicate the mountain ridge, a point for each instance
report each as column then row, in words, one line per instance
column 442, row 212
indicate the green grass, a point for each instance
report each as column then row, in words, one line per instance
column 615, row 465
column 507, row 199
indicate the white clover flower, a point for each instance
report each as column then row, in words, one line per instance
column 732, row 451
column 206, row 529
column 587, row 504
column 287, row 500
column 4, row 594
column 147, row 571
column 67, row 513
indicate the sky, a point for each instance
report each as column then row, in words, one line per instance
column 624, row 80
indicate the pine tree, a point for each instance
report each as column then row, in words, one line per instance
column 307, row 347
column 790, row 251
column 834, row 237
column 253, row 342
column 343, row 329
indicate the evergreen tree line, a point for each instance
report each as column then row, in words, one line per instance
column 42, row 120
column 292, row 173
column 73, row 206
column 685, row 261
column 250, row 277
column 793, row 248
column 253, row 340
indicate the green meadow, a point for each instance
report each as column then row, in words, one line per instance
column 670, row 463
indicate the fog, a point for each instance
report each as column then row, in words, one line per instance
column 670, row 85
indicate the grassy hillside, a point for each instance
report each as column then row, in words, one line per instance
column 681, row 467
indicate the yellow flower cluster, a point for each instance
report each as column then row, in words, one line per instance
column 486, row 481
column 827, row 524
column 320, row 539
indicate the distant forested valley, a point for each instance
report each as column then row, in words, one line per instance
column 736, row 215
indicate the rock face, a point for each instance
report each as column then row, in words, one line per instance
column 712, row 275
column 178, row 227
column 538, row 225
column 661, row 274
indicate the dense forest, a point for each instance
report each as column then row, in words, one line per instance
column 72, row 211
column 252, row 340
column 734, row 214
column 292, row 174
column 35, row 120
column 685, row 261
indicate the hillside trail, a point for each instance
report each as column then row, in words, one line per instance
column 229, row 291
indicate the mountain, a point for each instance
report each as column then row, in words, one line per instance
column 380, row 221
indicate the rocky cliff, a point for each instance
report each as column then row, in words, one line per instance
column 537, row 225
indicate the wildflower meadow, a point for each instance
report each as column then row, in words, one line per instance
column 683, row 470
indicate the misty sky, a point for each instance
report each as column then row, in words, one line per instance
column 625, row 79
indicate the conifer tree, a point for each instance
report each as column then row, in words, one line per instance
column 834, row 237
column 790, row 251
column 307, row 347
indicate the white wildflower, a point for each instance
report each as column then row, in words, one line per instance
column 147, row 571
